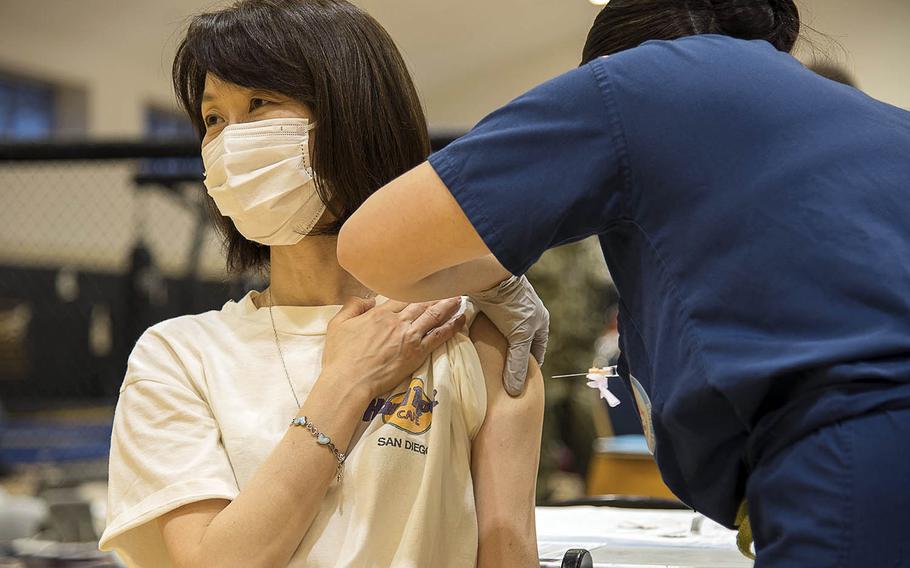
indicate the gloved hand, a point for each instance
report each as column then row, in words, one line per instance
column 518, row 313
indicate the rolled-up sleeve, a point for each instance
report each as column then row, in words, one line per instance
column 547, row 169
column 166, row 451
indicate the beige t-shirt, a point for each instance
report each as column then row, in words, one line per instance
column 205, row 400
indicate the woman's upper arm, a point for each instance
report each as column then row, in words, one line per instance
column 505, row 458
column 183, row 528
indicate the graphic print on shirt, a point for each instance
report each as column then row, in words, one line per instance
column 410, row 411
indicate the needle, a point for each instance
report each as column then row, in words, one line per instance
column 609, row 371
column 569, row 376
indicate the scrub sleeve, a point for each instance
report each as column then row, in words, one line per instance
column 545, row 170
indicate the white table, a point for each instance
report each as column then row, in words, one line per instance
column 626, row 538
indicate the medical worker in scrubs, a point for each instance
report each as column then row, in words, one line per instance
column 756, row 219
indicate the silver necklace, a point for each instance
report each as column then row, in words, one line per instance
column 280, row 352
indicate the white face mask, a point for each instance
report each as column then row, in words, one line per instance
column 259, row 175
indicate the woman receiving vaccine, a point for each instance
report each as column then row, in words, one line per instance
column 286, row 429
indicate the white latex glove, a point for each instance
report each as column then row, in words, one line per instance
column 518, row 313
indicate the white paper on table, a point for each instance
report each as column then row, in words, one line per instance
column 627, row 537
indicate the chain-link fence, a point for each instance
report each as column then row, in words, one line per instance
column 97, row 243
column 92, row 252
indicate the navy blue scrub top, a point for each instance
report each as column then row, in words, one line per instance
column 756, row 220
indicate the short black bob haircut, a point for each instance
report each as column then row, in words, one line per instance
column 336, row 59
column 624, row 24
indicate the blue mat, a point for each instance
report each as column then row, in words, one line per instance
column 33, row 441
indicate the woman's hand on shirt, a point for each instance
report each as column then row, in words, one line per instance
column 380, row 345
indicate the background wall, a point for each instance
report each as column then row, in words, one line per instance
column 467, row 57
column 113, row 58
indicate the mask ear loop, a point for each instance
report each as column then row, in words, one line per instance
column 305, row 157
column 305, row 149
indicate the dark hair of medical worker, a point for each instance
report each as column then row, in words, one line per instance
column 337, row 60
column 624, row 24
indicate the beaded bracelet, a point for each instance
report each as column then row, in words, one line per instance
column 322, row 440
